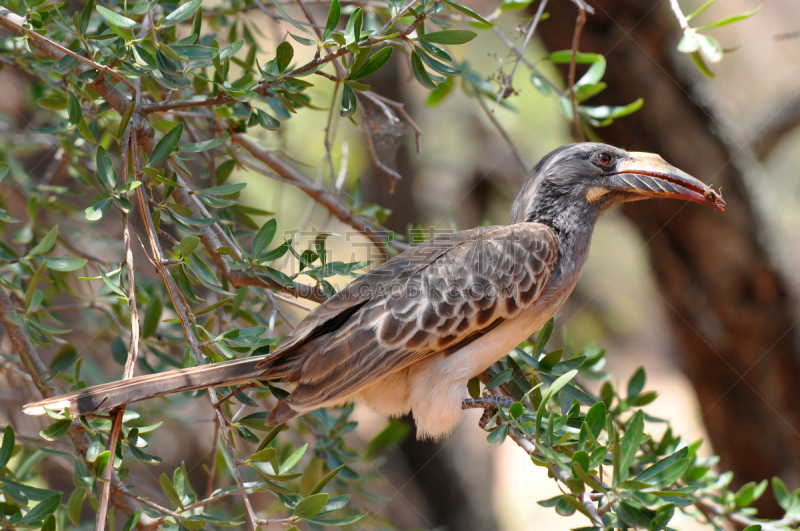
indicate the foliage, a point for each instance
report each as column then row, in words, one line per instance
column 147, row 107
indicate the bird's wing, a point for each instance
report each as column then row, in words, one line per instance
column 433, row 298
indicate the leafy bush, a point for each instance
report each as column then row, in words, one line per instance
column 151, row 106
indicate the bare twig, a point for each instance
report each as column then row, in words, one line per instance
column 576, row 38
column 682, row 20
column 528, row 37
column 526, row 166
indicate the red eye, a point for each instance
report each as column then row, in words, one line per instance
column 604, row 158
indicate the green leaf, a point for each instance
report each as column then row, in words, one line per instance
column 565, row 57
column 754, row 527
column 352, row 33
column 106, row 174
column 336, row 522
column 126, row 118
column 266, row 121
column 75, row 504
column 56, row 430
column 311, row 506
column 116, row 19
column 46, row 244
column 43, row 509
column 324, row 481
column 418, row 69
column 729, row 20
column 782, row 495
column 441, row 68
column 64, row 263
column 7, row 448
column 264, row 237
column 202, row 146
column 749, row 492
column 467, row 11
column 542, row 338
column 289, row 19
column 152, row 314
column 74, row 109
column 629, row 445
column 97, row 210
column 349, row 102
column 65, row 355
column 700, row 9
column 100, row 463
column 284, row 55
column 373, row 64
column 168, row 143
column 293, row 459
column 499, row 379
column 449, row 37
column 596, row 418
column 263, row 456
column 3, row 170
column 442, row 91
column 225, row 189
column 710, row 48
column 701, row 65
column 666, row 471
column 636, row 383
column 182, row 13
column 85, row 17
column 169, row 490
column 334, row 13
column 498, row 436
column 132, row 521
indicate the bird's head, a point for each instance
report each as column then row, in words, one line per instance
column 578, row 182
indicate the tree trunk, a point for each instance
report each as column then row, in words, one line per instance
column 730, row 311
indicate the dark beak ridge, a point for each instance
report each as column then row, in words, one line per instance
column 646, row 175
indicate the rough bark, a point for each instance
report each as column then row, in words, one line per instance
column 730, row 310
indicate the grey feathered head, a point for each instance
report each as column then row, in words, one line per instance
column 578, row 182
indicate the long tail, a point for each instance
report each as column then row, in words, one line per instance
column 110, row 395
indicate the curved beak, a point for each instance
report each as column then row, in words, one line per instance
column 646, row 175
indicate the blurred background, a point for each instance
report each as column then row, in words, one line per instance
column 706, row 302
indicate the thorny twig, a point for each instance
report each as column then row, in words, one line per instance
column 528, row 37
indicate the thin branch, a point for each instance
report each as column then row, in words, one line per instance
column 15, row 23
column 682, row 20
column 576, row 38
column 319, row 194
column 133, row 348
column 400, row 109
column 528, row 37
column 365, row 125
column 526, row 166
column 510, row 45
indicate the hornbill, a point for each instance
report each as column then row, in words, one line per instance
column 409, row 334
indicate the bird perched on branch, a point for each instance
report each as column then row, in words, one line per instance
column 410, row 334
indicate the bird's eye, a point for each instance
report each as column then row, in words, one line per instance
column 604, row 159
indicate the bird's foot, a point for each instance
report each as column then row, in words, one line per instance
column 487, row 402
